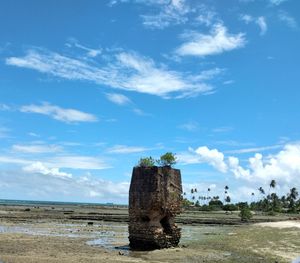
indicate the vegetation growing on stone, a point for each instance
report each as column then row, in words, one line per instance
column 167, row 159
column 146, row 162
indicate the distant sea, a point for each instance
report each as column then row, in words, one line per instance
column 46, row 203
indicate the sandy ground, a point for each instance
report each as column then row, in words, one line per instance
column 49, row 235
column 281, row 224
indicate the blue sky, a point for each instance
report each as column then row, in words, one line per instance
column 88, row 88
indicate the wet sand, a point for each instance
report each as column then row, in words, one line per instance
column 31, row 236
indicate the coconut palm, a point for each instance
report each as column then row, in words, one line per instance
column 272, row 185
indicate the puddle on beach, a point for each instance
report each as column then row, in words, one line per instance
column 113, row 236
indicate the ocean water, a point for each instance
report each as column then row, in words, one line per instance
column 53, row 203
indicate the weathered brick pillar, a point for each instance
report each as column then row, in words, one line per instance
column 154, row 200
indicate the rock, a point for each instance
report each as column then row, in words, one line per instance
column 154, row 200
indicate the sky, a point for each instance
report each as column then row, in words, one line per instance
column 87, row 88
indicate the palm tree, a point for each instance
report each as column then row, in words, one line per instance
column 261, row 190
column 292, row 196
column 272, row 185
column 208, row 190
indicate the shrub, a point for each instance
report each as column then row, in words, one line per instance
column 146, row 162
column 167, row 159
column 245, row 214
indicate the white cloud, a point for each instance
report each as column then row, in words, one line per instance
column 13, row 160
column 254, row 149
column 217, row 42
column 287, row 19
column 4, row 132
column 126, row 71
column 204, row 155
column 276, row 2
column 90, row 52
column 222, row 129
column 189, row 126
column 118, row 99
column 41, row 183
column 4, row 107
column 124, row 149
column 284, row 166
column 58, row 113
column 212, row 157
column 61, row 161
column 38, row 167
column 78, row 162
column 172, row 13
column 36, row 148
column 260, row 21
column 207, row 17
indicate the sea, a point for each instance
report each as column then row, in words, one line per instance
column 55, row 203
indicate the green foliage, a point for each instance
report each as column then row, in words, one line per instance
column 245, row 213
column 146, row 162
column 167, row 159
column 186, row 202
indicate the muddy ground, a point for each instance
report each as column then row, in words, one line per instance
column 31, row 236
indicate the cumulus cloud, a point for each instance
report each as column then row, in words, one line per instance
column 60, row 114
column 125, row 70
column 283, row 166
column 38, row 167
column 203, row 154
column 217, row 42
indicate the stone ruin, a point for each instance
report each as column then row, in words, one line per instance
column 154, row 200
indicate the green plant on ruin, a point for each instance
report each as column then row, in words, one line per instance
column 146, row 162
column 167, row 159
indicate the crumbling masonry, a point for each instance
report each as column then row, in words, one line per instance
column 154, row 200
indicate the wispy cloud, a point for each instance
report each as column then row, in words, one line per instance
column 254, row 149
column 4, row 107
column 60, row 114
column 42, row 183
column 222, row 129
column 4, row 132
column 173, row 12
column 36, row 148
column 61, row 160
column 118, row 99
column 216, row 42
column 124, row 149
column 287, row 19
column 90, row 52
column 78, row 162
column 189, row 126
column 277, row 2
column 126, row 70
column 260, row 21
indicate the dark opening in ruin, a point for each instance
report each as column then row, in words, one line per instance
column 145, row 219
column 166, row 225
